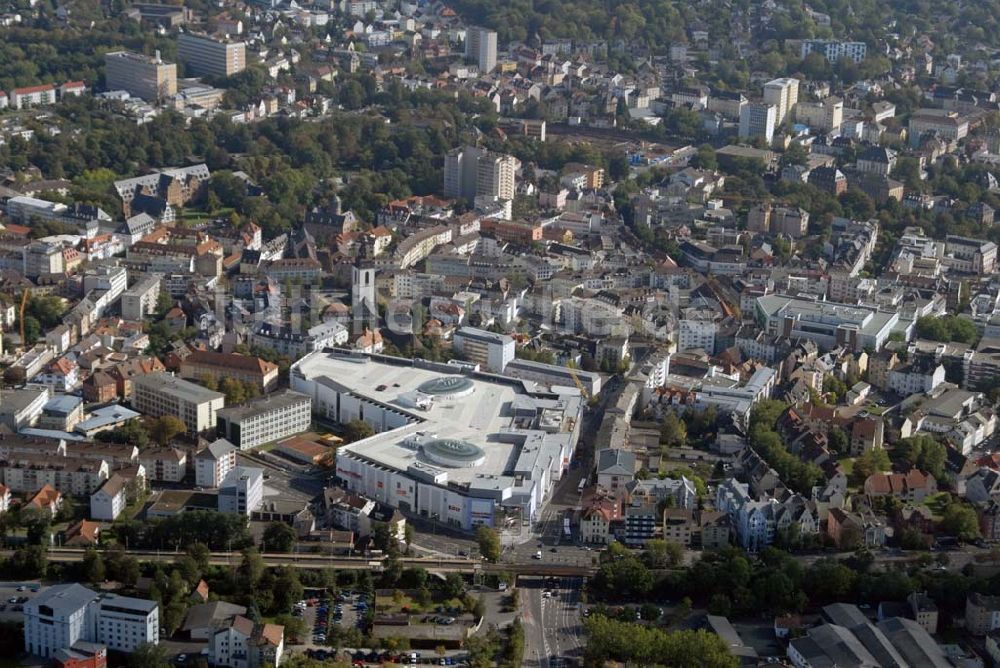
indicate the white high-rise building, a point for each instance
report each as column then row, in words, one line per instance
column 784, row 95
column 833, row 50
column 481, row 46
column 758, row 120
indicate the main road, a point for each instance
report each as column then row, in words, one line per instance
column 553, row 624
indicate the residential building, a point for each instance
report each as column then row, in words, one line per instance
column 834, row 50
column 597, row 518
column 825, row 116
column 266, row 419
column 207, row 55
column 615, row 468
column 924, row 610
column 164, row 464
column 145, row 77
column 982, row 613
column 239, row 643
column 213, row 463
column 490, row 350
column 919, row 376
column 108, row 502
column 157, row 394
column 241, row 491
column 911, row 487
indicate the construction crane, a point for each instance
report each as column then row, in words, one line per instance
column 571, row 366
column 20, row 317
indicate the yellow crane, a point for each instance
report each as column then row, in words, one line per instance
column 571, row 365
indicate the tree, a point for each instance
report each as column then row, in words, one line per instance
column 613, row 640
column 661, row 554
column 489, row 543
column 624, row 576
column 960, row 520
column 93, row 566
column 356, row 430
column 287, row 590
column 278, row 537
column 164, row 428
column 454, row 585
column 673, row 433
column 148, row 655
column 251, row 568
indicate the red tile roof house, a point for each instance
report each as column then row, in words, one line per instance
column 912, row 487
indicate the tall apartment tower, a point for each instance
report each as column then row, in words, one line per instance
column 471, row 172
column 784, row 95
column 146, row 77
column 206, row 55
column 758, row 120
column 481, row 46
column 495, row 176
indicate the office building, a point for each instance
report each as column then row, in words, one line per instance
column 829, row 324
column 218, row 366
column 241, row 491
column 758, row 119
column 145, row 77
column 63, row 615
column 784, row 95
column 266, row 420
column 833, row 50
column 826, row 115
column 490, row 350
column 471, row 172
column 205, row 55
column 157, row 394
column 481, row 46
column 124, row 623
column 213, row 463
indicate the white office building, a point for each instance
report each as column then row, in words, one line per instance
column 490, row 350
column 62, row 615
column 124, row 623
column 241, row 491
column 157, row 394
column 266, row 420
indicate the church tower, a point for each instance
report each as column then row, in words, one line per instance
column 363, row 305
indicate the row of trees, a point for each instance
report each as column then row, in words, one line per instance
column 766, row 442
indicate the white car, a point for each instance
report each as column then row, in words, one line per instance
column 538, row 555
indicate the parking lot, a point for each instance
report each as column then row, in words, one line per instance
column 323, row 615
column 13, row 596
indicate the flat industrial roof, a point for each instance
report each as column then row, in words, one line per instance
column 471, row 418
column 478, row 417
